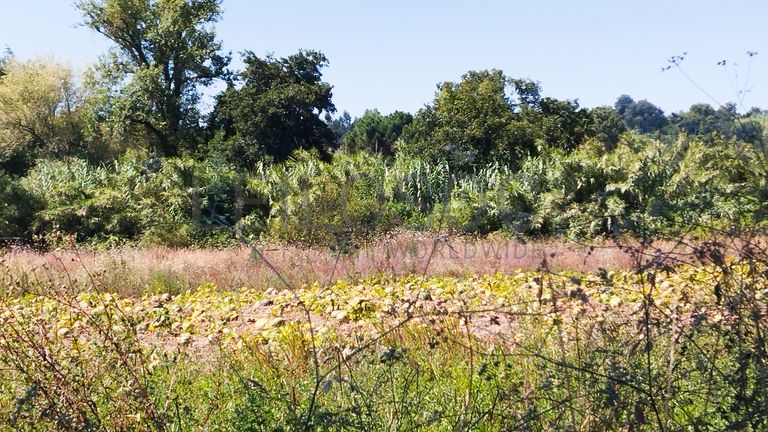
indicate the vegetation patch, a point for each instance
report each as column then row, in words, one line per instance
column 663, row 348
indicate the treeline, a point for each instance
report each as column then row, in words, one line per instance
column 124, row 153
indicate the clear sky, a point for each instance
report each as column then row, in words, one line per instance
column 390, row 54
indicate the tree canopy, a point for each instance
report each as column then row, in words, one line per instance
column 375, row 132
column 705, row 122
column 488, row 117
column 165, row 50
column 467, row 122
column 39, row 112
column 276, row 110
column 607, row 126
column 641, row 116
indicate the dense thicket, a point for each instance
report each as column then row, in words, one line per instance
column 642, row 186
column 125, row 153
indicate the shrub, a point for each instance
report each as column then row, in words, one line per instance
column 314, row 202
column 82, row 201
column 176, row 202
column 17, row 208
column 644, row 186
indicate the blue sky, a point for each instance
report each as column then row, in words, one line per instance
column 390, row 54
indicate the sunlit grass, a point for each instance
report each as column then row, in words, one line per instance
column 505, row 351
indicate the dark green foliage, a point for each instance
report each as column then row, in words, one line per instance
column 276, row 111
column 641, row 116
column 750, row 130
column 467, row 123
column 17, row 208
column 17, row 163
column 562, row 123
column 488, row 117
column 339, row 126
column 376, row 133
column 606, row 126
column 703, row 121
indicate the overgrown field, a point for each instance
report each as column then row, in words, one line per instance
column 657, row 347
column 212, row 246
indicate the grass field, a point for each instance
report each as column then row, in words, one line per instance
column 207, row 340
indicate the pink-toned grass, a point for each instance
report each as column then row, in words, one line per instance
column 132, row 271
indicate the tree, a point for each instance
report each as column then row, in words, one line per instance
column 623, row 103
column 606, row 126
column 545, row 120
column 489, row 117
column 750, row 130
column 39, row 113
column 563, row 124
column 339, row 126
column 709, row 124
column 165, row 50
column 699, row 120
column 375, row 132
column 642, row 115
column 467, row 123
column 276, row 111
column 645, row 117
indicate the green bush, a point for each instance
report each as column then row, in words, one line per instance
column 17, row 208
column 174, row 202
column 82, row 201
column 643, row 186
column 313, row 202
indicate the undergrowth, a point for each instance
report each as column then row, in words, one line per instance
column 662, row 347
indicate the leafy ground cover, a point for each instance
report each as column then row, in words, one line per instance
column 666, row 348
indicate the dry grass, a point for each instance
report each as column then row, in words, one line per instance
column 133, row 271
column 649, row 339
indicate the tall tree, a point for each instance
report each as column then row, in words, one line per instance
column 707, row 123
column 467, row 122
column 39, row 112
column 623, row 103
column 489, row 117
column 165, row 50
column 607, row 126
column 562, row 123
column 276, row 111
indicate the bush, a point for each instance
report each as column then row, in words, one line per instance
column 643, row 187
column 176, row 202
column 314, row 203
column 82, row 201
column 17, row 208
